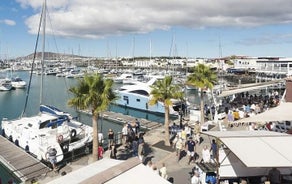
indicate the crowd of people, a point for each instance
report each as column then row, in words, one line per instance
column 245, row 105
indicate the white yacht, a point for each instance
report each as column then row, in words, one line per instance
column 17, row 82
column 137, row 96
column 5, row 84
column 128, row 78
column 50, row 128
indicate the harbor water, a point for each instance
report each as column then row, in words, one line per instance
column 55, row 93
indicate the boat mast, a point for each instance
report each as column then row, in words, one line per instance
column 43, row 50
column 33, row 61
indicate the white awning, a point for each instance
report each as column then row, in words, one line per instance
column 264, row 149
column 249, row 87
column 283, row 112
column 111, row 171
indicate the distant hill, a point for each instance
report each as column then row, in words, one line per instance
column 51, row 56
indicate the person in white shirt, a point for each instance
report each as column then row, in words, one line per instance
column 188, row 130
column 125, row 133
column 206, row 155
column 196, row 178
column 163, row 171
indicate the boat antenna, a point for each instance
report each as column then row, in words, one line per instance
column 32, row 65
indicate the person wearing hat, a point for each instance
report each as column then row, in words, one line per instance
column 190, row 147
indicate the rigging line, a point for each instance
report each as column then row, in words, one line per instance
column 57, row 49
column 32, row 66
column 52, row 30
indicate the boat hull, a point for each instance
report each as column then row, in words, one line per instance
column 37, row 134
column 140, row 102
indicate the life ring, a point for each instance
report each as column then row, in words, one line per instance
column 60, row 138
column 73, row 133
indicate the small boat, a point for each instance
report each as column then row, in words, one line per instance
column 17, row 82
column 5, row 84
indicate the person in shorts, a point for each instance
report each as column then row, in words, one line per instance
column 190, row 147
column 52, row 157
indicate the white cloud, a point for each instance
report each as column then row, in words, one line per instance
column 100, row 18
column 8, row 22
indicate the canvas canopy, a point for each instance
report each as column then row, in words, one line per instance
column 279, row 113
column 258, row 149
column 109, row 171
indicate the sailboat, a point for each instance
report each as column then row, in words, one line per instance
column 50, row 128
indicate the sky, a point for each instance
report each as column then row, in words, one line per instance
column 132, row 28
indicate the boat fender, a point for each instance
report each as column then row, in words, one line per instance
column 16, row 142
column 27, row 148
column 3, row 133
column 10, row 138
column 60, row 138
column 73, row 133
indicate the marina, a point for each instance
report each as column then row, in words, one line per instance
column 112, row 118
column 12, row 104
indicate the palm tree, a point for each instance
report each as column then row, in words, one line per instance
column 164, row 91
column 93, row 93
column 204, row 78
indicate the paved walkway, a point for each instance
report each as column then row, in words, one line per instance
column 178, row 170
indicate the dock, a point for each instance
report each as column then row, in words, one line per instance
column 20, row 163
column 121, row 119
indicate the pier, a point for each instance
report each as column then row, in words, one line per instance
column 20, row 163
column 122, row 119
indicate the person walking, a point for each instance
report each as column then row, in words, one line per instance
column 178, row 147
column 111, row 136
column 190, row 147
column 214, row 150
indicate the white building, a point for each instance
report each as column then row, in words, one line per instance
column 246, row 63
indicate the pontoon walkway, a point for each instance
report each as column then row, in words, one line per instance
column 122, row 118
column 20, row 163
